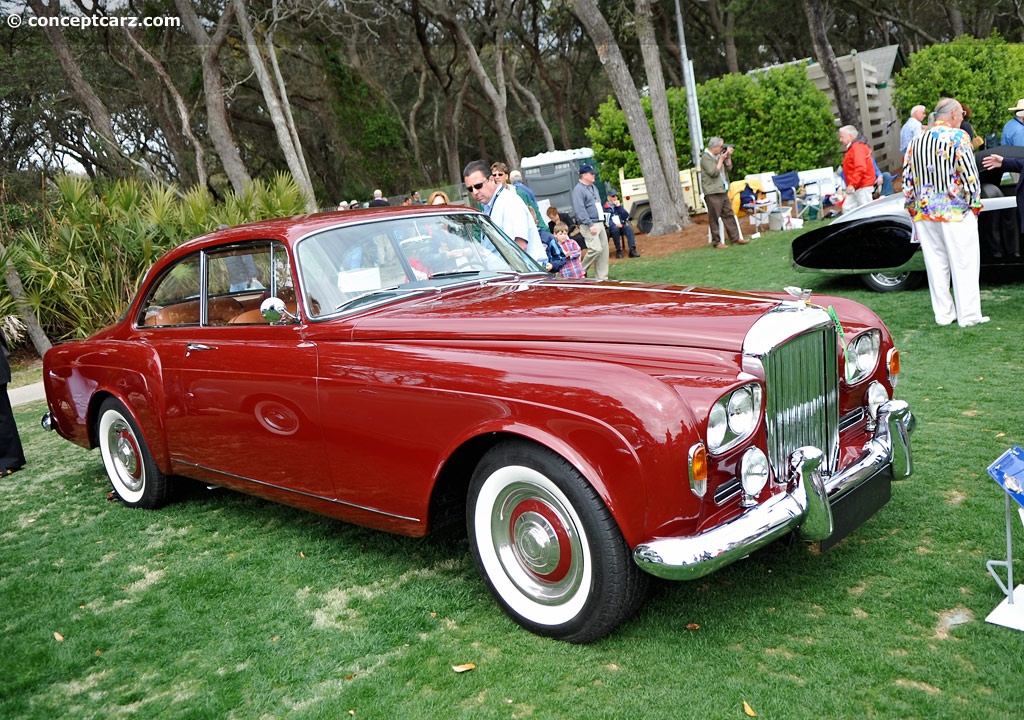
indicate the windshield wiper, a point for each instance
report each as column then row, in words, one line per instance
column 456, row 273
column 359, row 299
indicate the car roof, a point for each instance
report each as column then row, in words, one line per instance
column 290, row 229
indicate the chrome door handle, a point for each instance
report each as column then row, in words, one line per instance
column 199, row 346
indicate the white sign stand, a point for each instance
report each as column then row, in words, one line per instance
column 1006, row 471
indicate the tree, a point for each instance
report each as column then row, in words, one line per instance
column 218, row 125
column 829, row 64
column 778, row 121
column 99, row 115
column 275, row 94
column 659, row 108
column 986, row 75
column 667, row 218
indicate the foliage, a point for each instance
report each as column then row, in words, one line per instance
column 377, row 152
column 82, row 267
column 986, row 75
column 222, row 605
column 778, row 120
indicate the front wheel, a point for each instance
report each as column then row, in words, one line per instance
column 892, row 282
column 547, row 546
column 129, row 464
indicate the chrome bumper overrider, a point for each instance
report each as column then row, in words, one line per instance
column 806, row 505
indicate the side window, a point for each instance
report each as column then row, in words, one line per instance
column 240, row 277
column 174, row 299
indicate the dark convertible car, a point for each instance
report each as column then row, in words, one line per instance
column 401, row 368
column 877, row 241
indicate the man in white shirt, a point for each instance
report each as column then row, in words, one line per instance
column 912, row 127
column 505, row 208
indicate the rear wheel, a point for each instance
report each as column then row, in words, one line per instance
column 547, row 546
column 645, row 220
column 892, row 282
column 129, row 464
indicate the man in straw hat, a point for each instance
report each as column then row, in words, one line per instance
column 1013, row 131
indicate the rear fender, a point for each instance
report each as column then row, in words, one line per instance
column 78, row 383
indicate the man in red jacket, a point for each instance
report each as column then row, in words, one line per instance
column 858, row 169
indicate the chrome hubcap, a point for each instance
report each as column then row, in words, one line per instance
column 537, row 544
column 125, row 454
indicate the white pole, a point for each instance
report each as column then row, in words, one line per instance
column 692, row 111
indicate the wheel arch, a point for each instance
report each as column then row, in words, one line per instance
column 610, row 457
column 153, row 434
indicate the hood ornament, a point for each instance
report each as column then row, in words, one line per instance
column 801, row 295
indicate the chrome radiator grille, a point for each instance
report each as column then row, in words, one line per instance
column 802, row 396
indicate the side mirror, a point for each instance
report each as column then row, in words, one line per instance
column 273, row 309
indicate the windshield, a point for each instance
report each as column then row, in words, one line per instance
column 351, row 266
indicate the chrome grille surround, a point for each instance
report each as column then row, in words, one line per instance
column 794, row 348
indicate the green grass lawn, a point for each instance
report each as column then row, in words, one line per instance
column 224, row 606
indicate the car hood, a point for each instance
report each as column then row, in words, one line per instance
column 549, row 310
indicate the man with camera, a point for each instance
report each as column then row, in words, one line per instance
column 715, row 164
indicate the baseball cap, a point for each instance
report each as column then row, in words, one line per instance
column 587, row 169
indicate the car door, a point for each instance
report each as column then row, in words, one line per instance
column 241, row 392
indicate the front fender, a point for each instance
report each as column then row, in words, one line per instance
column 871, row 244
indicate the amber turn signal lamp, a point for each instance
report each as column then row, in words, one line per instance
column 699, row 470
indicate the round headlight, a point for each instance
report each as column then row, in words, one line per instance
column 718, row 423
column 862, row 355
column 742, row 411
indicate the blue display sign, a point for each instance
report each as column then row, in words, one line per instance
column 1008, row 471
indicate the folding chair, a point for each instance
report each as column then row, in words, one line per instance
column 787, row 185
column 754, row 206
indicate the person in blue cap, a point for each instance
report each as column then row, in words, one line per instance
column 587, row 207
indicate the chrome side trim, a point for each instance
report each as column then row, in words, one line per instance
column 333, row 501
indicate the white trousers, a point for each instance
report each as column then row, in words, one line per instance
column 951, row 252
column 858, row 198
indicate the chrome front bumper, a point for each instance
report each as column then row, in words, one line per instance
column 805, row 506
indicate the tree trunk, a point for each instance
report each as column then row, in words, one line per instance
column 282, row 92
column 659, row 107
column 218, row 126
column 666, row 217
column 534, row 107
column 421, row 97
column 273, row 95
column 35, row 331
column 179, row 105
column 724, row 23
column 956, row 20
column 495, row 91
column 827, row 57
